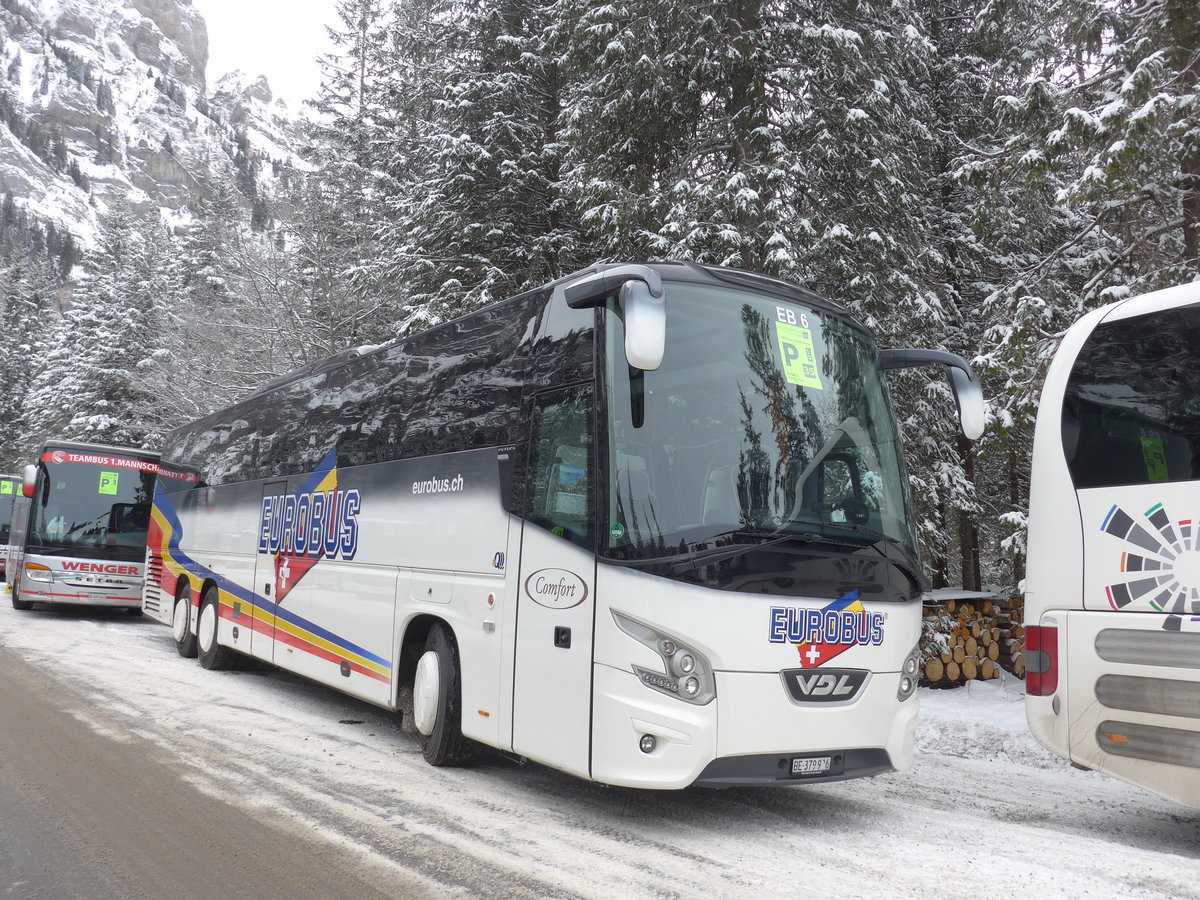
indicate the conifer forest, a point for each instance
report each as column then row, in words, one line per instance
column 969, row 175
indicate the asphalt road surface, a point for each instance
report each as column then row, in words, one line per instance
column 85, row 815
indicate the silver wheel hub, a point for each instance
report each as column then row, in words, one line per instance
column 179, row 620
column 425, row 693
column 208, row 627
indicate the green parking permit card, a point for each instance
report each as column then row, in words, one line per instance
column 6, row 487
column 799, row 355
column 108, row 483
column 1155, row 456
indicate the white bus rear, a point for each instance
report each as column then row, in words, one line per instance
column 1112, row 598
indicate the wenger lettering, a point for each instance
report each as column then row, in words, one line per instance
column 106, row 568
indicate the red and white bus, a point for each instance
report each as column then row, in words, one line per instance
column 79, row 529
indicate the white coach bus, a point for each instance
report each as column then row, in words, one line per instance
column 1112, row 601
column 10, row 489
column 649, row 525
column 79, row 528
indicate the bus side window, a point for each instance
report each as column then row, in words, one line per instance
column 561, row 497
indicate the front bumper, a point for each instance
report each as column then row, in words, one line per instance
column 742, row 736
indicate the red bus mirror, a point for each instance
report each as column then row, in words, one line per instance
column 28, row 480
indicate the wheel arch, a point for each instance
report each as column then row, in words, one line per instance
column 412, row 645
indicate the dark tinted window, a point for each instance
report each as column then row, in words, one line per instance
column 456, row 387
column 561, row 494
column 463, row 385
column 1131, row 414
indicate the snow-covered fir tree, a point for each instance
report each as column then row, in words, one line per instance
column 96, row 380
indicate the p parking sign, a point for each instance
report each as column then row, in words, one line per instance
column 798, row 355
column 6, row 487
column 108, row 483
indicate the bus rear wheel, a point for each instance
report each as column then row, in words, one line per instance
column 212, row 655
column 437, row 701
column 17, row 602
column 181, row 626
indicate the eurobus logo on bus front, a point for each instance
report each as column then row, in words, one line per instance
column 822, row 634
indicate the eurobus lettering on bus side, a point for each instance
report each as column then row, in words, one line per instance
column 615, row 525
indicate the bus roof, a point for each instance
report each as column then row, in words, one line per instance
column 82, row 447
column 695, row 273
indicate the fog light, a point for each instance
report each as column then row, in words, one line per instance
column 910, row 666
column 668, row 648
column 905, row 685
column 691, row 687
column 687, row 663
column 647, row 743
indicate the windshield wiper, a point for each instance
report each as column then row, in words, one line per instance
column 907, row 563
column 718, row 554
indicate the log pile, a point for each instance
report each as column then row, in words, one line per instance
column 1012, row 639
column 966, row 640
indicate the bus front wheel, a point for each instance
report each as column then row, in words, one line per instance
column 437, row 701
column 17, row 602
column 181, row 629
column 212, row 655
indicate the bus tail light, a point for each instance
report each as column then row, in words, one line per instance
column 38, row 572
column 1041, row 660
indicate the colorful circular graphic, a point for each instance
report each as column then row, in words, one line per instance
column 1162, row 567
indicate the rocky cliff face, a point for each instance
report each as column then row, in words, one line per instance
column 107, row 97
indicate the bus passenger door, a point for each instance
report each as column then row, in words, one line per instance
column 263, row 638
column 552, row 678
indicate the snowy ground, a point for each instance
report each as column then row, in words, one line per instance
column 985, row 813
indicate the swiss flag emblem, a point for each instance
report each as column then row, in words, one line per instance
column 815, row 653
column 289, row 569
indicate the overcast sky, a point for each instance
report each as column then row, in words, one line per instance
column 277, row 38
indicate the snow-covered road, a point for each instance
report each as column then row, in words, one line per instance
column 985, row 813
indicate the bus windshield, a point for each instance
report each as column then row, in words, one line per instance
column 9, row 489
column 765, row 419
column 92, row 511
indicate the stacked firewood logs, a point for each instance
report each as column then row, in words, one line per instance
column 966, row 640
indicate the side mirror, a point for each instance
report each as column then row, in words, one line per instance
column 645, row 326
column 968, row 393
column 641, row 297
column 28, row 480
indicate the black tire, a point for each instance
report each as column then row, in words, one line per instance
column 444, row 744
column 211, row 654
column 186, row 645
column 17, row 602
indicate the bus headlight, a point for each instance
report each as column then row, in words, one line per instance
column 686, row 673
column 908, row 674
column 38, row 572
